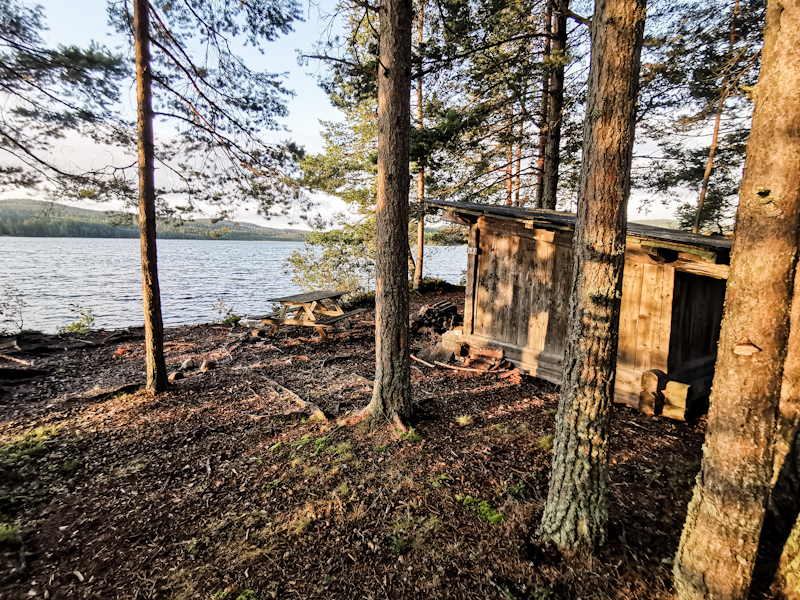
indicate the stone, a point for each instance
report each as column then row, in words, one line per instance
column 175, row 376
column 454, row 341
column 208, row 365
column 188, row 364
column 435, row 353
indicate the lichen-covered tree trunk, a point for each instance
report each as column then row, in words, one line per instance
column 720, row 537
column 555, row 107
column 151, row 296
column 575, row 514
column 391, row 396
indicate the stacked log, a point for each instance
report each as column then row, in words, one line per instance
column 436, row 318
column 492, row 361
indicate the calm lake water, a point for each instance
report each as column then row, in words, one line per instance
column 105, row 275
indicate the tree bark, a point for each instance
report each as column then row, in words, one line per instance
column 153, row 326
column 421, row 173
column 718, row 546
column 548, row 20
column 510, row 170
column 555, row 105
column 518, row 180
column 391, row 396
column 575, row 513
column 723, row 93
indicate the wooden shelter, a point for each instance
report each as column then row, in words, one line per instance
column 519, row 281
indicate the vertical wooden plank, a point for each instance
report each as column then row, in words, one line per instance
column 502, row 274
column 659, row 353
column 472, row 286
column 489, row 285
column 511, row 315
column 543, row 290
column 558, row 303
column 629, row 315
column 649, row 307
column 527, row 269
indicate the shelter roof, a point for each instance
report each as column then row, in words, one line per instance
column 548, row 219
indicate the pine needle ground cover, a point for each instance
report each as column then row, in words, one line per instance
column 222, row 488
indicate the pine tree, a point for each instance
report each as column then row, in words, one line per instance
column 219, row 107
column 576, row 513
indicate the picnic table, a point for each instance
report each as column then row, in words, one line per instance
column 320, row 310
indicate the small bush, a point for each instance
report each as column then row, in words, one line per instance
column 482, row 507
column 82, row 324
column 226, row 314
column 411, row 436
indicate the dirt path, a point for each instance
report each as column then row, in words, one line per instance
column 222, row 488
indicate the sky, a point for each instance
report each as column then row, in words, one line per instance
column 80, row 21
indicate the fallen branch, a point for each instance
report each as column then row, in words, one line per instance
column 313, row 410
column 419, row 360
column 16, row 360
column 441, row 364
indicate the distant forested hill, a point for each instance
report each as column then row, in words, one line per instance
column 32, row 218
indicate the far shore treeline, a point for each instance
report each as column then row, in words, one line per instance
column 34, row 218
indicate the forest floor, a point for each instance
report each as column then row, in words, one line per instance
column 221, row 488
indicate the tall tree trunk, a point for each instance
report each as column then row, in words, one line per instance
column 575, row 513
column 555, row 106
column 153, row 326
column 723, row 93
column 421, row 173
column 510, row 170
column 518, row 180
column 548, row 24
column 718, row 546
column 391, row 396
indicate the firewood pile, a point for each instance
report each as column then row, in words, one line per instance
column 492, row 361
column 436, row 318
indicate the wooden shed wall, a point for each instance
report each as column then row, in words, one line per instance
column 518, row 288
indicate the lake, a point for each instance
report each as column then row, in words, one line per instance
column 105, row 275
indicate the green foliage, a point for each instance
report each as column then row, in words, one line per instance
column 411, row 436
column 226, row 314
column 8, row 532
column 31, row 443
column 82, row 324
column 48, row 92
column 342, row 259
column 546, row 442
column 449, row 235
column 70, row 466
column 483, row 509
column 690, row 67
column 400, row 545
column 436, row 482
